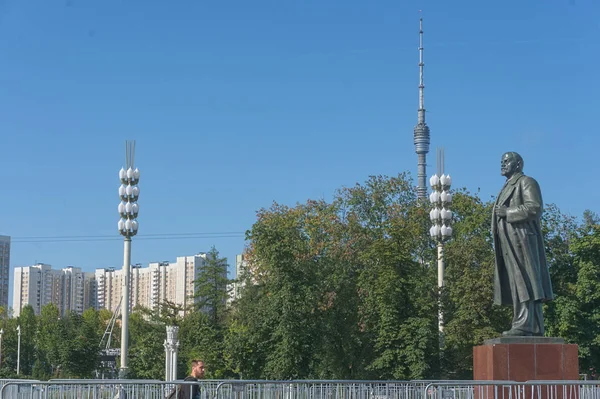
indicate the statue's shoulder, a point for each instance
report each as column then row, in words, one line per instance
column 528, row 181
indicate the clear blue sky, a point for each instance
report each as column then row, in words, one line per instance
column 236, row 104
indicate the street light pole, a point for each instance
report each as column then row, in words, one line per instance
column 18, row 348
column 1, row 332
column 128, row 227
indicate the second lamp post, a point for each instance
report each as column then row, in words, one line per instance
column 441, row 230
column 128, row 227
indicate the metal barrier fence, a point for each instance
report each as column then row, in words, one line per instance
column 319, row 389
column 555, row 389
column 211, row 389
column 299, row 389
column 76, row 389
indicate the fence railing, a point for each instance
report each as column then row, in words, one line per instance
column 299, row 389
column 555, row 389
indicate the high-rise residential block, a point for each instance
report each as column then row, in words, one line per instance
column 4, row 270
column 69, row 289
column 153, row 285
column 240, row 269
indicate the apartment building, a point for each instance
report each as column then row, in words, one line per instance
column 4, row 270
column 240, row 269
column 78, row 291
column 150, row 286
column 69, row 289
column 109, row 284
column 187, row 268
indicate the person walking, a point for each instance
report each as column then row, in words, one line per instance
column 190, row 391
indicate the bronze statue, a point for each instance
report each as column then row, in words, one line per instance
column 521, row 277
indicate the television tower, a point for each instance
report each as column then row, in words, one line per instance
column 421, row 137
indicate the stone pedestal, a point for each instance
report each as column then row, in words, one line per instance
column 523, row 359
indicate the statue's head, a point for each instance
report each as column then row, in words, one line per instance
column 510, row 164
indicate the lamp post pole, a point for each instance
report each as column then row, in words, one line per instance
column 167, row 345
column 441, row 217
column 1, row 332
column 18, row 348
column 128, row 227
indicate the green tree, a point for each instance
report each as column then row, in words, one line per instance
column 9, row 348
column 79, row 348
column 88, row 338
column 201, row 339
column 396, row 289
column 469, row 314
column 28, row 324
column 590, row 218
column 202, row 332
column 339, row 290
column 562, row 314
column 49, row 339
column 168, row 313
column 247, row 340
column 211, row 287
column 146, row 351
column 584, row 318
column 287, row 253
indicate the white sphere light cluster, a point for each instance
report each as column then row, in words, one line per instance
column 440, row 215
column 129, row 208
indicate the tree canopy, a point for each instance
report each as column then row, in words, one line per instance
column 340, row 289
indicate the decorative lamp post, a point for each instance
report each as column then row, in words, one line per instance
column 18, row 348
column 171, row 345
column 128, row 227
column 441, row 217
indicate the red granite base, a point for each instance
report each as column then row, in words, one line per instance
column 525, row 362
column 522, row 362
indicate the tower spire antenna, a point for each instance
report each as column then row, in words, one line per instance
column 421, row 132
column 421, row 81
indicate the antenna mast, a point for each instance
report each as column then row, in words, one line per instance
column 421, row 132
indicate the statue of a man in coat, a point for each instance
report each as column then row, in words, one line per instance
column 521, row 277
